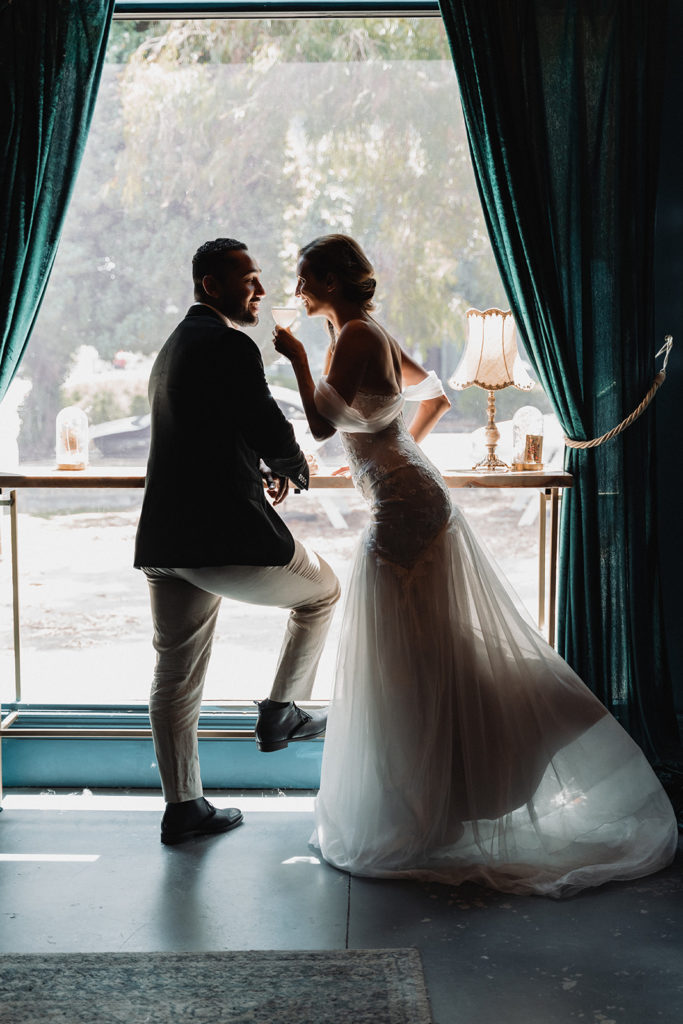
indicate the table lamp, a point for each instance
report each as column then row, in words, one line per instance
column 492, row 362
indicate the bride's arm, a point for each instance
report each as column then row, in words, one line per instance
column 430, row 411
column 287, row 345
column 346, row 370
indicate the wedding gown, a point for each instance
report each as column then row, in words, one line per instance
column 460, row 746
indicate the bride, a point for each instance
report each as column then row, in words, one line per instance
column 460, row 746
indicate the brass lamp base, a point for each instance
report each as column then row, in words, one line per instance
column 491, row 462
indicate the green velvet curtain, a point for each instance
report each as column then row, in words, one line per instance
column 51, row 56
column 562, row 104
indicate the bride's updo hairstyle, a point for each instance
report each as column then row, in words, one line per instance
column 343, row 257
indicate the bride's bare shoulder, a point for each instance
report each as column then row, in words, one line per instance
column 359, row 324
column 366, row 344
column 365, row 329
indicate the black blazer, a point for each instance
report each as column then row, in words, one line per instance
column 213, row 418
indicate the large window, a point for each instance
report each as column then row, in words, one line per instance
column 274, row 132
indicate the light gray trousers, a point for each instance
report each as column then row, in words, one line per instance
column 185, row 605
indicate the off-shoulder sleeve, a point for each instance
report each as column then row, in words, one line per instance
column 332, row 406
column 430, row 387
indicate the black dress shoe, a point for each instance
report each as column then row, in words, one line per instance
column 196, row 818
column 278, row 725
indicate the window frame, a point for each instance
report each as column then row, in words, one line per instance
column 166, row 10
column 80, row 746
column 68, row 745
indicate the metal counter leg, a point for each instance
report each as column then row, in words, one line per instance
column 543, row 495
column 15, row 593
column 554, row 530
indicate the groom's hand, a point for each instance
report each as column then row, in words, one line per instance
column 277, row 488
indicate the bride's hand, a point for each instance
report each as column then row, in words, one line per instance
column 286, row 344
column 341, row 471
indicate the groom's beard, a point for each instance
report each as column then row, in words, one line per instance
column 246, row 317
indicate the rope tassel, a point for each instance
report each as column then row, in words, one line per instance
column 656, row 383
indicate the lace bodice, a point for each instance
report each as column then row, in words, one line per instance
column 374, row 457
column 408, row 499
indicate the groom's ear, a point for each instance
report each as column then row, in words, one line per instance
column 210, row 285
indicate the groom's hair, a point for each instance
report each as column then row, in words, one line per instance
column 210, row 258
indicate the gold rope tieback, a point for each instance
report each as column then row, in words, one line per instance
column 657, row 382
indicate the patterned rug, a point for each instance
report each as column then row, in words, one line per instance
column 353, row 986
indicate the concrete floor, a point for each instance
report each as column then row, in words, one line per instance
column 87, row 873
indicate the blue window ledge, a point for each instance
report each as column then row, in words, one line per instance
column 32, row 756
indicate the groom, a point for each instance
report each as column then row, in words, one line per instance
column 206, row 530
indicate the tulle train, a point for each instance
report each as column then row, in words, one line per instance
column 460, row 746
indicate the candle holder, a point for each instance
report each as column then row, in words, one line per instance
column 527, row 439
column 72, row 438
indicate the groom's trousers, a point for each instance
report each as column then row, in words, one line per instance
column 185, row 605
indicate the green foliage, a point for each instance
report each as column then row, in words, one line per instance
column 205, row 41
column 108, row 399
column 139, row 404
column 125, row 37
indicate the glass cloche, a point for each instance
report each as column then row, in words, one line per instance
column 72, row 438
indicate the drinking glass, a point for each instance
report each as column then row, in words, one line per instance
column 284, row 316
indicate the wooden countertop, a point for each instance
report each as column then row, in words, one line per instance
column 134, row 476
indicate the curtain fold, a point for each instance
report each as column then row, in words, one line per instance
column 562, row 102
column 51, row 57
